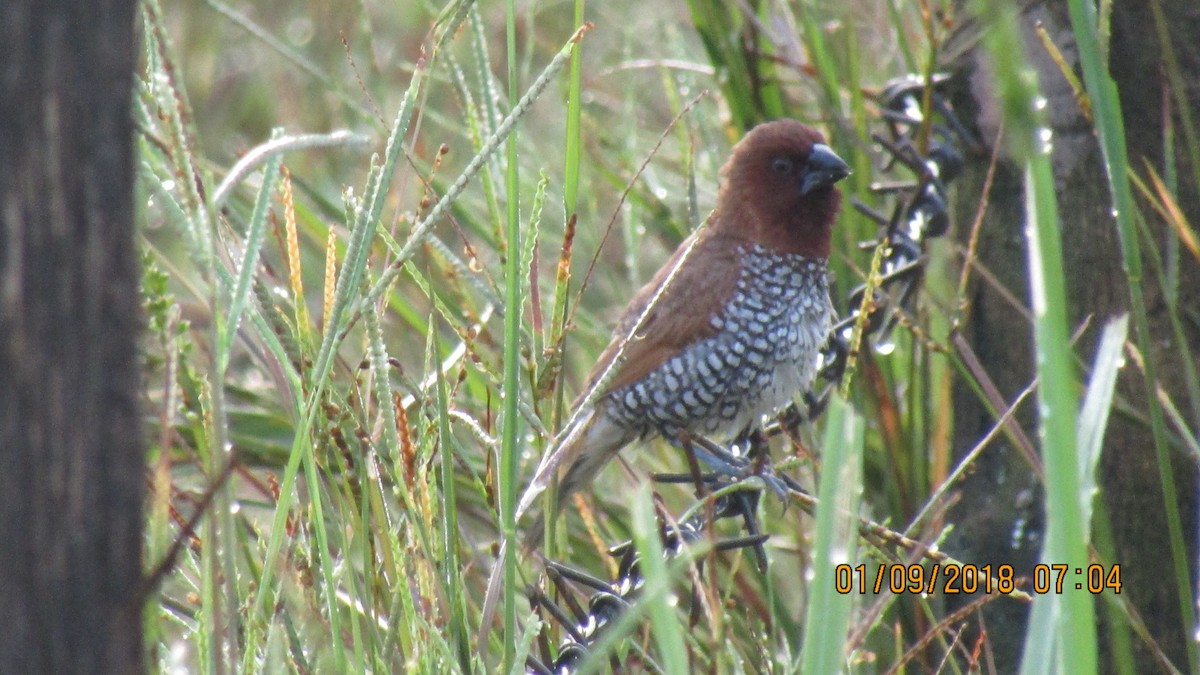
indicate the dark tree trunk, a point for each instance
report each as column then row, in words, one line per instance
column 71, row 458
column 998, row 495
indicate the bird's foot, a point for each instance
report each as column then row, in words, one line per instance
column 776, row 482
column 746, row 458
column 725, row 461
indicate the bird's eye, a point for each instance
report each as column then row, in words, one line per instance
column 782, row 165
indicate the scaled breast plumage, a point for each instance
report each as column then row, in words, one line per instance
column 762, row 353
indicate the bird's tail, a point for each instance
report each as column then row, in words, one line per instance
column 591, row 442
column 576, row 460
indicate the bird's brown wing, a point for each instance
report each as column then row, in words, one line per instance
column 683, row 313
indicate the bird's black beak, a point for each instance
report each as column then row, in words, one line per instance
column 824, row 168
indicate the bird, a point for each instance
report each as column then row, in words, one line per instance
column 728, row 331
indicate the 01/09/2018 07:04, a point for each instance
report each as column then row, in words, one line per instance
column 954, row 579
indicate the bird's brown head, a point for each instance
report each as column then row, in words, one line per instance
column 779, row 189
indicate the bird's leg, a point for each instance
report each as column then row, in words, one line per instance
column 758, row 448
column 737, row 465
column 789, row 420
column 697, row 478
column 720, row 459
column 755, row 460
column 742, row 503
column 730, row 463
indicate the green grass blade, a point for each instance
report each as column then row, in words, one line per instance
column 421, row 229
column 1097, row 403
column 664, row 621
column 1110, row 127
column 510, row 420
column 249, row 266
column 1066, row 530
column 348, row 283
column 835, row 540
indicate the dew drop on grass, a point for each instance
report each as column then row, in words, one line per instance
column 177, row 658
column 839, row 556
column 1046, row 136
column 300, row 31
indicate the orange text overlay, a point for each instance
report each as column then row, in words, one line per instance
column 955, row 579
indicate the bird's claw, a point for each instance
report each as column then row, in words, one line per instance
column 777, row 484
column 745, row 459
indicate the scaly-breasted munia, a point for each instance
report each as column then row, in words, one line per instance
column 734, row 334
